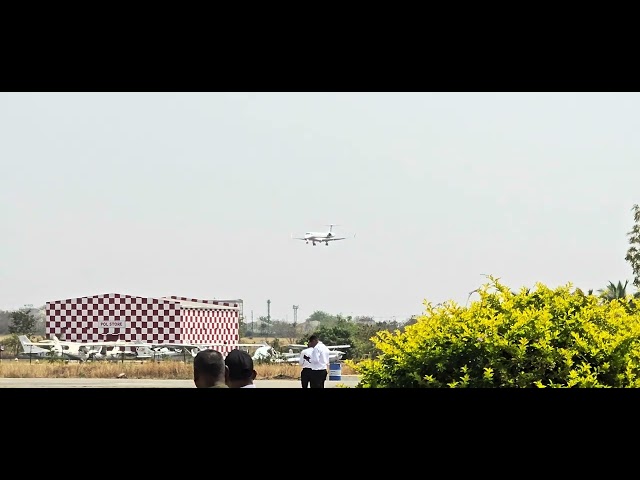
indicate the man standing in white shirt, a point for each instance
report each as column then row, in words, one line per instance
column 319, row 360
column 305, row 363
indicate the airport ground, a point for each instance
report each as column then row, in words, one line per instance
column 20, row 373
column 346, row 381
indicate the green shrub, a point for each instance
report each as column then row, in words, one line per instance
column 541, row 338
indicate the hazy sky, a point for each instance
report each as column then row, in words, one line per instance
column 197, row 195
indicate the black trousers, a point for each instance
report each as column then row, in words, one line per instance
column 317, row 378
column 305, row 377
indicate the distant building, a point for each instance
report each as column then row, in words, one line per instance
column 115, row 316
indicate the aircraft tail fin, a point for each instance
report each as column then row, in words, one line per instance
column 29, row 347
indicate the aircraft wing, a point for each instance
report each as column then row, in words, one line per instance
column 164, row 344
column 212, row 344
column 51, row 343
column 139, row 343
column 295, row 345
column 331, row 239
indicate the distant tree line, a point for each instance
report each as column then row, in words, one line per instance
column 331, row 329
column 26, row 320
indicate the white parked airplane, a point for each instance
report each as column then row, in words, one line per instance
column 52, row 348
column 117, row 350
column 172, row 349
column 335, row 355
column 320, row 237
column 83, row 351
column 166, row 349
column 32, row 350
column 268, row 353
column 121, row 350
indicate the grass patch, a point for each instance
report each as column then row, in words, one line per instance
column 163, row 370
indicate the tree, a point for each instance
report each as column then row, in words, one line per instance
column 323, row 318
column 364, row 319
column 613, row 291
column 357, row 332
column 340, row 333
column 534, row 338
column 5, row 318
column 23, row 322
column 410, row 321
column 283, row 329
column 633, row 253
column 242, row 327
column 264, row 325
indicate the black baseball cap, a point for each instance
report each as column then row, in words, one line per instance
column 240, row 364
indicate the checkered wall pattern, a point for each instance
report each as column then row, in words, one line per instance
column 210, row 302
column 147, row 319
column 211, row 327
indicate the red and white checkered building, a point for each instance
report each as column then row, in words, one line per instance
column 154, row 320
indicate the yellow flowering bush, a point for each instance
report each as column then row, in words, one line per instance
column 532, row 338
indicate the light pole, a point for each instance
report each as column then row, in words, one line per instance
column 295, row 319
column 269, row 315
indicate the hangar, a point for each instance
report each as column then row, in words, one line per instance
column 114, row 316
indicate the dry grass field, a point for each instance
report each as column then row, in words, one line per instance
column 165, row 370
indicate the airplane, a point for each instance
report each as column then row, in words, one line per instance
column 84, row 351
column 320, row 237
column 268, row 353
column 166, row 349
column 51, row 349
column 120, row 349
column 335, row 355
column 264, row 352
column 171, row 349
column 31, row 349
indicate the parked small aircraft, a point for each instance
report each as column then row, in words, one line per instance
column 320, row 237
column 268, row 353
column 52, row 349
column 30, row 349
column 173, row 349
column 335, row 355
column 116, row 350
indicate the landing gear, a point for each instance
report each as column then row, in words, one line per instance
column 326, row 243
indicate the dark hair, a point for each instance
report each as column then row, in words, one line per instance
column 240, row 364
column 313, row 337
column 209, row 362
